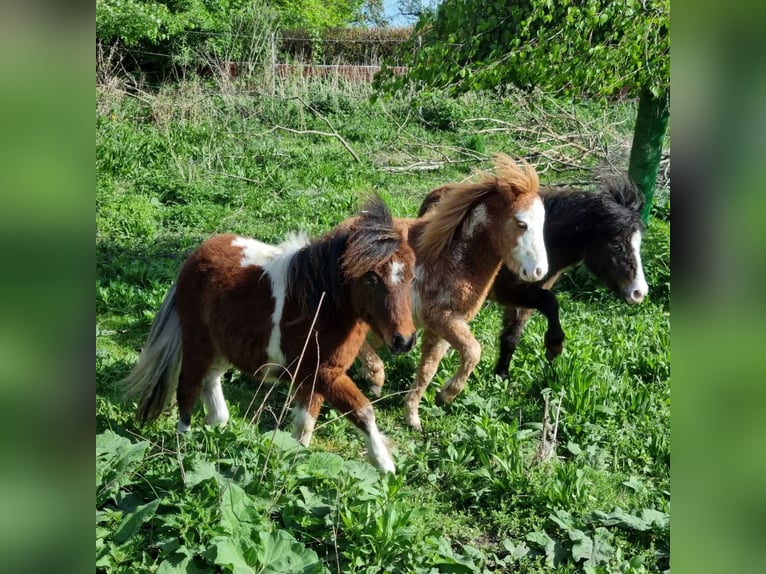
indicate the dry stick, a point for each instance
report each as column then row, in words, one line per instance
column 334, row 134
column 180, row 459
column 292, row 384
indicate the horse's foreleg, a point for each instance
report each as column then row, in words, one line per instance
column 462, row 340
column 554, row 334
column 344, row 396
column 372, row 368
column 432, row 351
column 305, row 414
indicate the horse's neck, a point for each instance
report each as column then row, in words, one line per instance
column 571, row 220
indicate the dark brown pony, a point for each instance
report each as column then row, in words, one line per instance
column 239, row 302
column 460, row 247
column 602, row 230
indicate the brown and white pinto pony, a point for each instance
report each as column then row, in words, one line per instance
column 459, row 249
column 600, row 229
column 239, row 302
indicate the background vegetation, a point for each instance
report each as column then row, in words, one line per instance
column 264, row 157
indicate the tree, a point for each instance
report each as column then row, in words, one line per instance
column 596, row 48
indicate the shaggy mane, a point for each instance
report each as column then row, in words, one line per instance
column 510, row 180
column 346, row 252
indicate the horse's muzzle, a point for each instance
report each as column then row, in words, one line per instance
column 400, row 344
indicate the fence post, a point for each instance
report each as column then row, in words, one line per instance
column 273, row 65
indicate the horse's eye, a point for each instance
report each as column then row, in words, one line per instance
column 522, row 225
column 371, row 279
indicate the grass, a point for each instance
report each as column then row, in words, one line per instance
column 182, row 162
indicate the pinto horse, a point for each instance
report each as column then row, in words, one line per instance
column 459, row 249
column 602, row 230
column 306, row 306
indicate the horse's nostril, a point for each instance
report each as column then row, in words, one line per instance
column 638, row 295
column 401, row 345
column 539, row 272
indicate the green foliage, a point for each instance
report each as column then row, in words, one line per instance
column 592, row 46
column 181, row 164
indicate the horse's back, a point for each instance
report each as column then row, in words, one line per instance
column 224, row 298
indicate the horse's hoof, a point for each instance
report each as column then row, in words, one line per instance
column 553, row 351
column 502, row 373
column 440, row 400
column 415, row 424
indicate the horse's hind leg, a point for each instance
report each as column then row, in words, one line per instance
column 345, row 397
column 195, row 365
column 514, row 320
column 212, row 394
column 432, row 351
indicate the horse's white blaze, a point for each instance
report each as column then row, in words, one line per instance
column 303, row 424
column 212, row 395
column 638, row 289
column 182, row 427
column 530, row 252
column 476, row 220
column 397, row 272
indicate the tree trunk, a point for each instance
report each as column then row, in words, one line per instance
column 648, row 137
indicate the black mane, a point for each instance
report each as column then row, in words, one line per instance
column 346, row 252
column 612, row 210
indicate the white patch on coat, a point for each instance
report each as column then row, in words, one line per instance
column 276, row 269
column 638, row 289
column 476, row 220
column 397, row 272
column 255, row 253
column 529, row 253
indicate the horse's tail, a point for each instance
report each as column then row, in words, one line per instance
column 155, row 378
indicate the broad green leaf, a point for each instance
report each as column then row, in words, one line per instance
column 133, row 521
column 280, row 553
column 582, row 549
column 241, row 514
column 200, row 470
column 618, row 517
column 115, row 457
column 283, row 440
column 656, row 518
column 539, row 538
column 231, row 555
column 179, row 565
column 563, row 519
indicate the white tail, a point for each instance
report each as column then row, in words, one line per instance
column 155, row 378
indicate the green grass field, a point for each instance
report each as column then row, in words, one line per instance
column 178, row 164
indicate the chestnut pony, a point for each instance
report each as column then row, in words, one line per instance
column 600, row 229
column 459, row 249
column 306, row 306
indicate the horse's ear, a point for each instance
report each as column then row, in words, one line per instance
column 375, row 211
column 624, row 191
